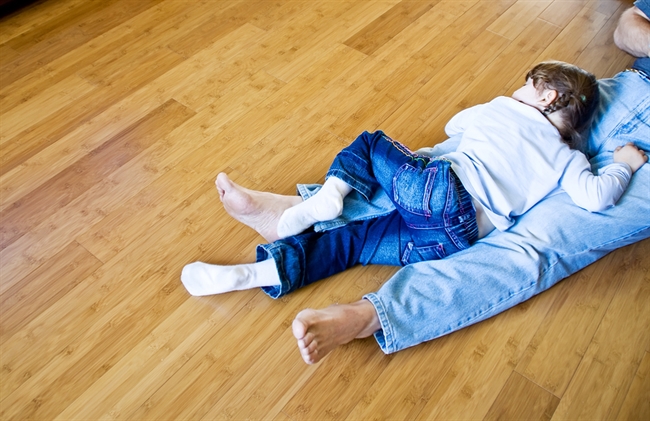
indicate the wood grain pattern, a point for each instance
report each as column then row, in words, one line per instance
column 522, row 399
column 116, row 116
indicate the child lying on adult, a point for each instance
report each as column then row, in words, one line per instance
column 263, row 212
column 514, row 151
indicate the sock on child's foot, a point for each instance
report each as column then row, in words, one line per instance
column 325, row 205
column 203, row 279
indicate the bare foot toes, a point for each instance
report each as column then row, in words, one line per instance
column 320, row 331
column 259, row 210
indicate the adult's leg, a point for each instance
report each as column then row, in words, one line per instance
column 550, row 242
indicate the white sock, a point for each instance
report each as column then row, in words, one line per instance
column 325, row 205
column 203, row 279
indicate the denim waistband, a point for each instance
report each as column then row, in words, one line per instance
column 639, row 72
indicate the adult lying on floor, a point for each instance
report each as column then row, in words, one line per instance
column 553, row 240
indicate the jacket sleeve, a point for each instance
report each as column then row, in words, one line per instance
column 595, row 193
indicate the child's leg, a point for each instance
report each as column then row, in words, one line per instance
column 325, row 205
column 204, row 279
column 425, row 191
column 352, row 168
column 304, row 259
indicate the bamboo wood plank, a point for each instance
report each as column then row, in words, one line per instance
column 49, row 102
column 581, row 302
column 517, row 18
column 154, row 22
column 522, row 399
column 473, row 19
column 75, row 14
column 343, row 377
column 281, row 417
column 382, row 100
column 575, row 36
column 123, row 221
column 256, row 396
column 616, row 352
column 274, row 19
column 209, row 374
column 607, row 7
column 347, row 376
column 496, row 79
column 7, row 54
column 432, row 97
column 411, row 384
column 178, row 83
column 119, row 337
column 601, row 57
column 30, row 17
column 389, row 24
column 421, row 32
column 297, row 139
column 126, row 297
column 318, row 33
column 151, row 362
column 561, row 12
column 369, row 81
column 210, row 76
column 372, row 80
column 637, row 401
column 70, row 32
column 474, row 381
column 137, row 215
column 101, row 162
column 109, row 95
column 23, row 256
column 217, row 26
column 41, row 288
column 34, row 139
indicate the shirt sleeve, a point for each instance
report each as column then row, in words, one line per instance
column 459, row 123
column 595, row 193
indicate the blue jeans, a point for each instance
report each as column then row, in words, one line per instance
column 550, row 242
column 433, row 216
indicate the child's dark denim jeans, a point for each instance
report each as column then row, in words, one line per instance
column 434, row 216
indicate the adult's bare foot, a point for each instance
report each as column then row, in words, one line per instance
column 320, row 331
column 259, row 210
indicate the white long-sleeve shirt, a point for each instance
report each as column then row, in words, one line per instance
column 510, row 157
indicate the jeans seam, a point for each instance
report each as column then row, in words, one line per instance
column 533, row 284
column 596, row 248
column 351, row 181
column 386, row 328
column 490, row 309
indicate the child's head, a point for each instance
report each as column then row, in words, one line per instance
column 567, row 92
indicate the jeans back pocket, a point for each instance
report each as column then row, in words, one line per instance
column 412, row 188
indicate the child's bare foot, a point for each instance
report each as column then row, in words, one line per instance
column 259, row 210
column 320, row 331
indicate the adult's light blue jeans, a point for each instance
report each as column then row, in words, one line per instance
column 554, row 239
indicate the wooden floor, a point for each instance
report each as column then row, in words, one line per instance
column 117, row 115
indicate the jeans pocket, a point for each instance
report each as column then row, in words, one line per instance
column 415, row 254
column 412, row 188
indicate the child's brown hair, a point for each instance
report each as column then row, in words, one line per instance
column 577, row 96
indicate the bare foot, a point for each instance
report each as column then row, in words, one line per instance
column 259, row 210
column 320, row 331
